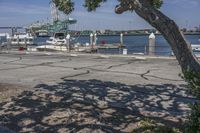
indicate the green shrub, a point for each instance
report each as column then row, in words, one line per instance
column 193, row 123
column 151, row 126
column 193, row 80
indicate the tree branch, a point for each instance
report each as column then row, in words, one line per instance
column 168, row 28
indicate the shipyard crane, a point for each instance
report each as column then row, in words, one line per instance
column 58, row 24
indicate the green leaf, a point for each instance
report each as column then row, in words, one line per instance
column 67, row 6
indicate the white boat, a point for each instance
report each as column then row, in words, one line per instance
column 58, row 38
column 196, row 48
column 82, row 47
column 22, row 39
column 42, row 33
column 55, row 43
column 4, row 35
column 50, row 48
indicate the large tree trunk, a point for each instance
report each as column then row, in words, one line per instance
column 168, row 28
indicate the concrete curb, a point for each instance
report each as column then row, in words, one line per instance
column 74, row 54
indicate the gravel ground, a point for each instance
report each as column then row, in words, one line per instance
column 62, row 93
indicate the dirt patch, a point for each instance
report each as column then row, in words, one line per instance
column 9, row 90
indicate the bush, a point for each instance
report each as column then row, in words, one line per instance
column 151, row 126
column 193, row 123
column 193, row 80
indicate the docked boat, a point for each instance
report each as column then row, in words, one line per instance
column 55, row 43
column 50, row 48
column 196, row 48
column 42, row 33
column 22, row 39
column 57, row 39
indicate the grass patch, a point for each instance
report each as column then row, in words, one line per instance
column 151, row 126
column 2, row 98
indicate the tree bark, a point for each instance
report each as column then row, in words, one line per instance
column 168, row 28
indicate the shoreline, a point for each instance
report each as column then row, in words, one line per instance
column 132, row 34
column 75, row 54
column 90, row 54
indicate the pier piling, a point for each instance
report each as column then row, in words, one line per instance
column 25, row 42
column 91, row 41
column 68, row 42
column 152, row 44
column 121, row 39
column 95, row 39
column 18, row 41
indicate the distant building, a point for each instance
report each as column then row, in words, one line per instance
column 108, row 32
column 184, row 30
column 197, row 29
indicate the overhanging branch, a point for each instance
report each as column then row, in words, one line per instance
column 119, row 9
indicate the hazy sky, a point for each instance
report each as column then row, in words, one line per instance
column 24, row 12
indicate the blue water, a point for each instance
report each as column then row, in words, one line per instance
column 134, row 44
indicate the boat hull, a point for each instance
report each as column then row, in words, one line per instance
column 51, row 48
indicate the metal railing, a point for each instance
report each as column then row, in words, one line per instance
column 141, row 50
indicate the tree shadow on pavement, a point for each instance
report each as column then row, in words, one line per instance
column 94, row 106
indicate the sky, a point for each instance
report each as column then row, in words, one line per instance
column 25, row 12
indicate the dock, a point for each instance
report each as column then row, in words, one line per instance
column 110, row 46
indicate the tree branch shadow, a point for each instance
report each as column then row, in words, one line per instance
column 88, row 105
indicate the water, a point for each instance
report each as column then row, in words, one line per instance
column 134, row 44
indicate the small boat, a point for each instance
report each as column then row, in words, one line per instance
column 55, row 43
column 22, row 39
column 51, row 48
column 57, row 39
column 196, row 48
column 42, row 33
